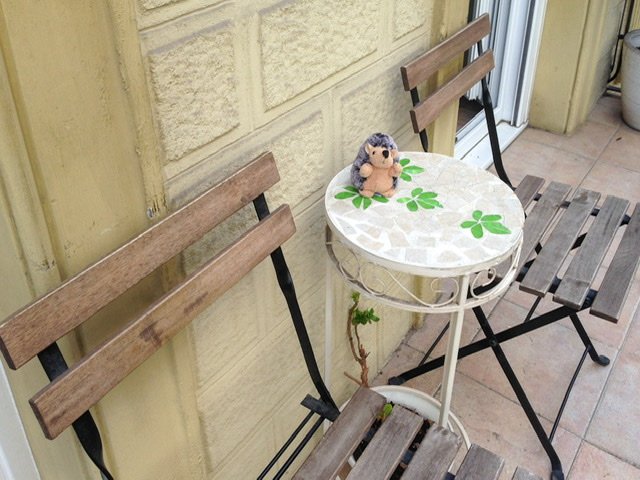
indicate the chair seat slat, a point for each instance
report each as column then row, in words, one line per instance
column 62, row 401
column 428, row 110
column 391, row 441
column 620, row 274
column 44, row 321
column 480, row 463
column 528, row 188
column 584, row 266
column 434, row 456
column 343, row 436
column 548, row 262
column 426, row 65
column 540, row 217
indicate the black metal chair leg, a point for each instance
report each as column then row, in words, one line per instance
column 599, row 359
column 556, row 465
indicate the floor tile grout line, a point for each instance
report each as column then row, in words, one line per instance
column 613, row 454
column 599, row 394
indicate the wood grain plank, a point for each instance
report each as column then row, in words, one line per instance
column 583, row 268
column 434, row 456
column 522, row 474
column 61, row 402
column 343, row 436
column 391, row 441
column 428, row 110
column 540, row 218
column 548, row 262
column 420, row 69
column 617, row 281
column 480, row 464
column 528, row 188
column 44, row 321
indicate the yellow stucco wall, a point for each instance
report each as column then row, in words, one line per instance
column 573, row 66
column 123, row 109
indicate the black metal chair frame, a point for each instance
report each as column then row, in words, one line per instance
column 494, row 340
column 324, row 406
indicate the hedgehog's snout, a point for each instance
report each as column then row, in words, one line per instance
column 385, row 153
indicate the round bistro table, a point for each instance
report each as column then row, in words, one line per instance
column 455, row 225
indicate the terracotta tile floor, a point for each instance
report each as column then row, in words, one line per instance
column 599, row 434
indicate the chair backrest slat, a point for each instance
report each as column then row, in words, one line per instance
column 423, row 67
column 49, row 318
column 62, row 401
column 428, row 110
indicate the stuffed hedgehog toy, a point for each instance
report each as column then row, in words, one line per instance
column 376, row 167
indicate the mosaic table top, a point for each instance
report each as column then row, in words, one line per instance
column 446, row 218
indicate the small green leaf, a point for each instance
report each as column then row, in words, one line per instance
column 413, row 169
column 476, row 231
column 386, row 411
column 491, row 218
column 468, row 224
column 358, row 201
column 426, row 204
column 351, row 188
column 477, row 215
column 343, row 195
column 366, row 203
column 380, row 198
column 405, row 177
column 496, row 227
column 416, row 191
column 426, row 195
column 404, row 200
column 412, row 206
column 404, row 162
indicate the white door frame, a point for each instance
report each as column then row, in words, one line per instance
column 16, row 459
column 512, row 103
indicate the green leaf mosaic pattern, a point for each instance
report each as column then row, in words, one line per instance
column 420, row 198
column 408, row 170
column 480, row 223
column 358, row 200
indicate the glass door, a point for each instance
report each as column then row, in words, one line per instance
column 515, row 40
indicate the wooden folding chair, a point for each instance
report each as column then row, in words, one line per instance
column 34, row 330
column 547, row 243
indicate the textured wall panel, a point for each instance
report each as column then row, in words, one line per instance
column 306, row 41
column 194, row 81
column 301, row 159
column 409, row 15
column 234, row 406
column 378, row 105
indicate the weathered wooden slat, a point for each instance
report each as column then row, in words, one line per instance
column 522, row 474
column 583, row 268
column 391, row 441
column 47, row 319
column 343, row 436
column 434, row 456
column 617, row 281
column 540, row 217
column 430, row 62
column 557, row 247
column 428, row 110
column 480, row 464
column 61, row 402
column 528, row 188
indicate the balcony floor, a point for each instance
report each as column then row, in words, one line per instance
column 599, row 433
